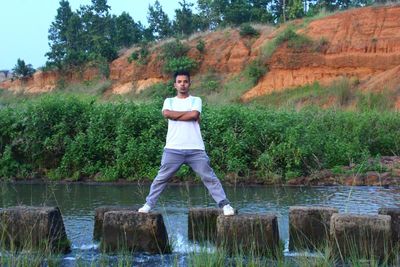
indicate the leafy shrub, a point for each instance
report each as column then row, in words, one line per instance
column 134, row 56
column 141, row 56
column 179, row 64
column 174, row 49
column 201, row 45
column 246, row 30
column 255, row 70
column 300, row 42
column 285, row 35
column 65, row 137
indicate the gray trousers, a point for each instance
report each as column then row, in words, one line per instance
column 172, row 160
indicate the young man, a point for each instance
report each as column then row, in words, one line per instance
column 185, row 146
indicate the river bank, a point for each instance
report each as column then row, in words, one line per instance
column 384, row 171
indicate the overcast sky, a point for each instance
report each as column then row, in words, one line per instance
column 25, row 25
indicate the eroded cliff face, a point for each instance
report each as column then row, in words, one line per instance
column 362, row 43
column 226, row 52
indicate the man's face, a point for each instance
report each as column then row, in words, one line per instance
column 182, row 84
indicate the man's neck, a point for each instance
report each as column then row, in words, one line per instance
column 182, row 96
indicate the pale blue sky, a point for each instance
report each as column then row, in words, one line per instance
column 25, row 25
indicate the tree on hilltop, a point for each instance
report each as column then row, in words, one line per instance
column 22, row 70
column 59, row 35
column 159, row 22
column 127, row 31
column 185, row 22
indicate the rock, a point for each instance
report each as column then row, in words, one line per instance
column 202, row 224
column 254, row 234
column 99, row 218
column 134, row 231
column 309, row 227
column 354, row 180
column 372, row 178
column 396, row 172
column 394, row 213
column 361, row 236
column 37, row 228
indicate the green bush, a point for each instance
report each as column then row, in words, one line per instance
column 201, row 46
column 133, row 57
column 173, row 49
column 297, row 42
column 180, row 64
column 300, row 42
column 255, row 70
column 69, row 138
column 246, row 30
column 141, row 56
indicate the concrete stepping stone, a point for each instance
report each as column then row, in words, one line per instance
column 202, row 224
column 252, row 234
column 99, row 218
column 33, row 228
column 132, row 231
column 394, row 213
column 309, row 227
column 361, row 236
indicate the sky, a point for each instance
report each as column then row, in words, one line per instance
column 25, row 25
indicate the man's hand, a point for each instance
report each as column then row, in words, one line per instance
column 193, row 115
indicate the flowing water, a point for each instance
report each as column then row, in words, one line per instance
column 78, row 202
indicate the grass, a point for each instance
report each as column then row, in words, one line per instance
column 341, row 95
column 325, row 256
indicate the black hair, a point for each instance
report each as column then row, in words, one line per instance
column 181, row 72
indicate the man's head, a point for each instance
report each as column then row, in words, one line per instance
column 182, row 83
column 181, row 73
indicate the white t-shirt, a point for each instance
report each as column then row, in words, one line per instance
column 183, row 134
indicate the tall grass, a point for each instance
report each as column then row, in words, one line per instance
column 341, row 94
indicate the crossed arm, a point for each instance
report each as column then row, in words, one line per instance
column 193, row 115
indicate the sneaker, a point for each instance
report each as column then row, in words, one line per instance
column 145, row 209
column 228, row 210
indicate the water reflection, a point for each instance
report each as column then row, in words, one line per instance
column 77, row 203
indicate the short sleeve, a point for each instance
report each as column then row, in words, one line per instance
column 197, row 104
column 167, row 104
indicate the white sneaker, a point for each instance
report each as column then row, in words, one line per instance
column 228, row 210
column 145, row 209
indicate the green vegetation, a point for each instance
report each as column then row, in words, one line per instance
column 141, row 56
column 23, row 70
column 66, row 137
column 180, row 64
column 91, row 34
column 208, row 256
column 340, row 94
column 246, row 30
column 173, row 55
column 201, row 46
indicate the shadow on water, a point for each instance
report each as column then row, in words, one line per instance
column 79, row 201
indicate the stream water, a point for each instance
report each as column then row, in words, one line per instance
column 78, row 202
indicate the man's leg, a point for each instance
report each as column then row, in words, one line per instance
column 170, row 163
column 200, row 163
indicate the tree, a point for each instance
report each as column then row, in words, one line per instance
column 295, row 9
column 159, row 22
column 184, row 23
column 127, row 32
column 58, row 34
column 98, row 31
column 22, row 70
column 259, row 11
column 237, row 12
